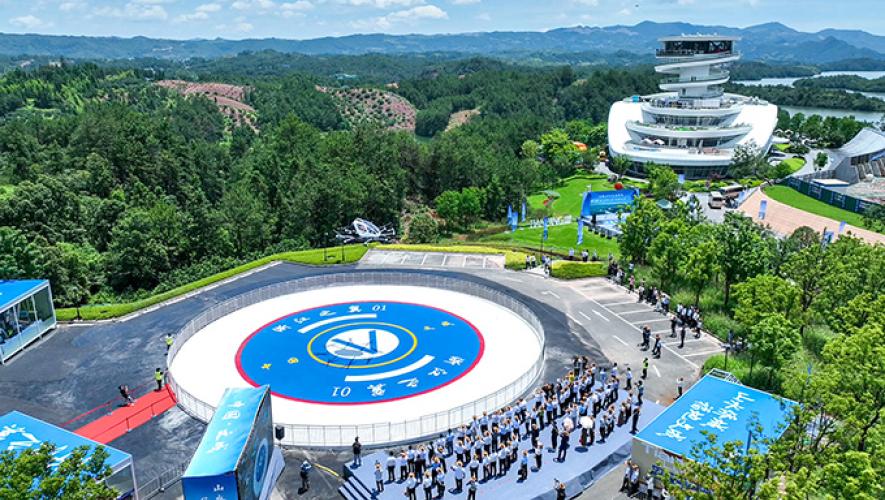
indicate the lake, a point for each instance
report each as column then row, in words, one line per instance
column 868, row 116
column 767, row 82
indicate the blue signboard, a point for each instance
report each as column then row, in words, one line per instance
column 600, row 202
column 213, row 470
column 728, row 410
column 12, row 292
column 360, row 352
column 21, row 432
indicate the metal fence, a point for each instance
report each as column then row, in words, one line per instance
column 828, row 196
column 326, row 436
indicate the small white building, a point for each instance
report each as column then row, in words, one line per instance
column 692, row 126
column 26, row 314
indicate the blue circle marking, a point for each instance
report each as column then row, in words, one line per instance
column 360, row 352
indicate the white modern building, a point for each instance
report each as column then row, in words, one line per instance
column 692, row 126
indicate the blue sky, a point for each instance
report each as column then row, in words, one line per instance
column 299, row 19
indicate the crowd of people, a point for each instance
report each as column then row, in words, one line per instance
column 585, row 406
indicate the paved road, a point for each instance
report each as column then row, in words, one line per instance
column 79, row 367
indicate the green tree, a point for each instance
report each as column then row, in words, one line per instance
column 701, row 267
column 663, row 182
column 560, row 151
column 19, row 256
column 640, row 228
column 422, row 229
column 743, row 252
column 619, row 165
column 137, row 256
column 76, row 271
column 448, row 206
column 668, row 251
column 807, row 268
column 773, row 341
column 764, row 295
column 30, row 474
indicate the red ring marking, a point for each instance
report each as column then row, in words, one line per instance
column 238, row 357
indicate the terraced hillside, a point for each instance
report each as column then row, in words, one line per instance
column 364, row 105
column 230, row 99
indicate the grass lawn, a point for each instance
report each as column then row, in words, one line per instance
column 782, row 147
column 560, row 240
column 571, row 191
column 795, row 199
column 794, row 163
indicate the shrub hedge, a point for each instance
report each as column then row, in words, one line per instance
column 570, row 270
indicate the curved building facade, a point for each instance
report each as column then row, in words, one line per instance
column 692, row 126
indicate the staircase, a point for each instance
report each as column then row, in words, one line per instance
column 354, row 489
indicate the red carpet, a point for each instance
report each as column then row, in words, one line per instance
column 122, row 420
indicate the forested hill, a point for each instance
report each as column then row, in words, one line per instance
column 772, row 41
column 113, row 186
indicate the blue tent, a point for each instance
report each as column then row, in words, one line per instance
column 21, row 432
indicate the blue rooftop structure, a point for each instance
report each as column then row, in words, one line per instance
column 726, row 409
column 26, row 314
column 14, row 291
column 20, row 432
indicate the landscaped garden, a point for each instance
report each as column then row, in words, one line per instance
column 795, row 199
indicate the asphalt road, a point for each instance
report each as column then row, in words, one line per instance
column 79, row 367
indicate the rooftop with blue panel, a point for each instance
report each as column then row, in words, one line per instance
column 728, row 410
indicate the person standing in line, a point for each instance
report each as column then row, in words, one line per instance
column 158, row 378
column 471, row 489
column 656, row 350
column 379, row 477
column 169, row 341
column 427, row 485
column 644, row 368
column 304, row 472
column 524, row 466
column 458, row 472
column 633, row 427
column 640, row 390
column 554, row 436
column 441, row 483
column 402, row 462
column 682, row 337
column 474, row 467
column 679, row 383
column 629, row 379
column 391, row 467
column 357, row 452
column 411, row 486
column 628, row 469
column 673, row 322
column 563, row 447
column 539, row 456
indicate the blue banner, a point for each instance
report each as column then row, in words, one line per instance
column 514, row 221
column 580, row 232
column 842, row 226
column 681, row 178
column 213, row 469
column 522, row 219
column 763, row 206
column 545, row 228
column 600, row 202
column 509, row 212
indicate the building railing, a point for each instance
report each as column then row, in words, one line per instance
column 712, row 77
column 326, row 436
column 694, row 54
column 688, row 128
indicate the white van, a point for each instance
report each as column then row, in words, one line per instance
column 717, row 200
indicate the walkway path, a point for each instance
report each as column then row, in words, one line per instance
column 124, row 419
column 784, row 219
column 432, row 259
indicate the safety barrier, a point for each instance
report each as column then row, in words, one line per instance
column 327, row 436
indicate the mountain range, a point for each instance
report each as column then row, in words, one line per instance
column 772, row 42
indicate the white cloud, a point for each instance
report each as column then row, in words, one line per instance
column 587, row 3
column 625, row 12
column 254, row 5
column 402, row 17
column 29, row 22
column 484, row 16
column 71, row 6
column 201, row 13
column 685, row 2
column 243, row 27
column 292, row 8
column 136, row 10
column 465, row 2
column 383, row 4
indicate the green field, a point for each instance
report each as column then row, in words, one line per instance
column 560, row 240
column 795, row 199
column 782, row 147
column 794, row 163
column 571, row 192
